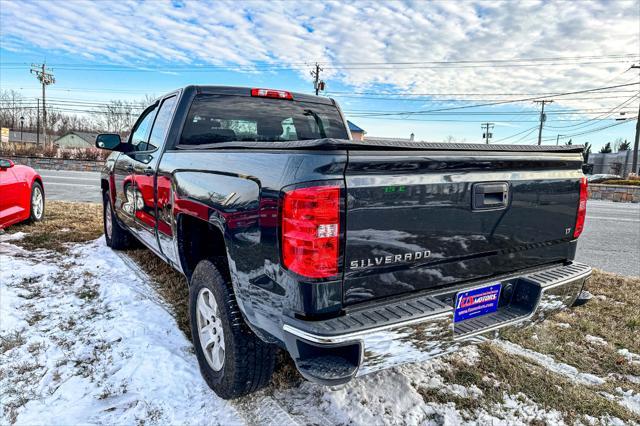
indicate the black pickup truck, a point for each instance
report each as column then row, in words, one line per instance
column 353, row 256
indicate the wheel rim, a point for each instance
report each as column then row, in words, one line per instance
column 210, row 331
column 37, row 202
column 108, row 225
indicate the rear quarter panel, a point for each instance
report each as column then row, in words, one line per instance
column 238, row 192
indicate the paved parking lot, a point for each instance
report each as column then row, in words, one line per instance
column 610, row 241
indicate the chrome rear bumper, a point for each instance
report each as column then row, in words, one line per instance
column 422, row 327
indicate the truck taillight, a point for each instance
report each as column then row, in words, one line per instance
column 582, row 208
column 270, row 93
column 311, row 231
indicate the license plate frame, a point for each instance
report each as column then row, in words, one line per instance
column 477, row 302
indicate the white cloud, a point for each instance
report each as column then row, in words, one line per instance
column 290, row 33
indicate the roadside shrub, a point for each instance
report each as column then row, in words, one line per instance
column 622, row 182
column 31, row 150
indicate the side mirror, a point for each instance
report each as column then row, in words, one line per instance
column 110, row 141
column 6, row 164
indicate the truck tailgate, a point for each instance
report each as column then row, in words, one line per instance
column 427, row 219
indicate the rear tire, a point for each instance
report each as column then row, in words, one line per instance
column 37, row 203
column 116, row 236
column 246, row 362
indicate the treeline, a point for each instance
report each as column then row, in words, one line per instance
column 115, row 116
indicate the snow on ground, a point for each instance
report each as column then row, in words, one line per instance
column 92, row 346
column 86, row 339
column 595, row 340
column 551, row 364
column 630, row 356
column 11, row 237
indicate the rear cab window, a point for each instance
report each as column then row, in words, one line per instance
column 229, row 118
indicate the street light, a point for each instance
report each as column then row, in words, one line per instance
column 21, row 126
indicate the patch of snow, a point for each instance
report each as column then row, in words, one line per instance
column 100, row 348
column 10, row 316
column 551, row 364
column 595, row 340
column 563, row 325
column 629, row 399
column 631, row 357
column 4, row 237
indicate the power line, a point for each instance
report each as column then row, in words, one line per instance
column 333, row 93
column 525, row 136
column 509, row 101
column 516, row 134
column 495, row 63
column 400, row 99
column 592, row 130
column 606, row 114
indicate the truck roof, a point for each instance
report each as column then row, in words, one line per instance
column 246, row 91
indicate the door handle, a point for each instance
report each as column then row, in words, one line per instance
column 490, row 196
column 129, row 168
column 148, row 171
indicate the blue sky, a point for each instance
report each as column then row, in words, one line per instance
column 383, row 61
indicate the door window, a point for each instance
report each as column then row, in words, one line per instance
column 140, row 135
column 162, row 123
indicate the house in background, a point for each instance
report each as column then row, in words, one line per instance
column 15, row 136
column 357, row 133
column 76, row 140
column 411, row 138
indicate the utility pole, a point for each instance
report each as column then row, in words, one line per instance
column 38, row 124
column 557, row 139
column 634, row 167
column 46, row 78
column 543, row 118
column 486, row 134
column 318, row 84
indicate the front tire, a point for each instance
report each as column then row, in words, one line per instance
column 37, row 203
column 116, row 236
column 233, row 360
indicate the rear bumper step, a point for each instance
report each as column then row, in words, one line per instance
column 421, row 327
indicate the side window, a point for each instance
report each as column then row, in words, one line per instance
column 140, row 135
column 289, row 130
column 162, row 123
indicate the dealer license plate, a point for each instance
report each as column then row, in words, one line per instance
column 477, row 302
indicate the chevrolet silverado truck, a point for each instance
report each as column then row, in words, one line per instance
column 353, row 256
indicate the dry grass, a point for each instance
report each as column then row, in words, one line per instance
column 498, row 372
column 63, row 223
column 612, row 315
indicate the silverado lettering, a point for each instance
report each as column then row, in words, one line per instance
column 292, row 235
column 386, row 260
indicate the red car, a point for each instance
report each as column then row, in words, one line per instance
column 21, row 194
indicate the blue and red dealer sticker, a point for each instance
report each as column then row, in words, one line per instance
column 477, row 302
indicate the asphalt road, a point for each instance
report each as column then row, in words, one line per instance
column 611, row 237
column 71, row 186
column 610, row 241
